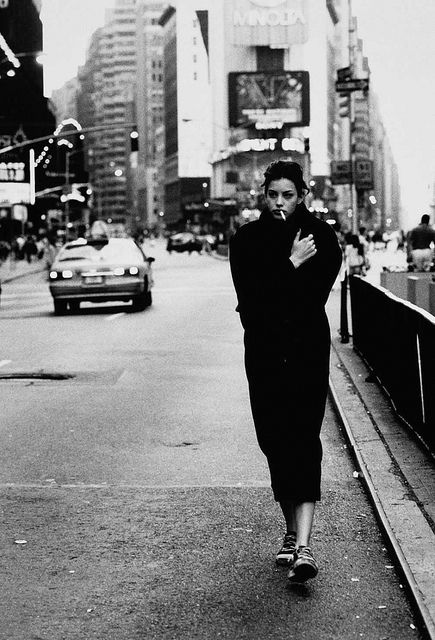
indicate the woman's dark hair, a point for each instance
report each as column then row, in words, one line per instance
column 285, row 169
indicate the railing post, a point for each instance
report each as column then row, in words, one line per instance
column 344, row 326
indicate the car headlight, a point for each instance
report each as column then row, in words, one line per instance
column 119, row 271
column 133, row 271
column 60, row 275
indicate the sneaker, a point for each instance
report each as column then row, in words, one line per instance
column 286, row 553
column 304, row 566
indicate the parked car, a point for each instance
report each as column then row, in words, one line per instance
column 100, row 270
column 184, row 241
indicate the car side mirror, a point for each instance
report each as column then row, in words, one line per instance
column 150, row 260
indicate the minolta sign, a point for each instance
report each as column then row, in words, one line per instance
column 264, row 22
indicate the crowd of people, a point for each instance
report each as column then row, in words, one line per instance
column 418, row 243
column 28, row 247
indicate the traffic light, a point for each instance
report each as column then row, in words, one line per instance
column 344, row 106
column 134, row 141
column 307, row 145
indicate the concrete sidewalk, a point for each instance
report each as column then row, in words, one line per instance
column 398, row 472
column 12, row 269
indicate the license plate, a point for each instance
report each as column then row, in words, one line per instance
column 93, row 279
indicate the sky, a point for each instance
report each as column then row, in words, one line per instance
column 398, row 41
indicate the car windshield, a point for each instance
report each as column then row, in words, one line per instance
column 116, row 250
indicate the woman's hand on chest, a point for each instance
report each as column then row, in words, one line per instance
column 303, row 249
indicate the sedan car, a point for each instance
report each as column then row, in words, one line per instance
column 100, row 270
column 185, row 241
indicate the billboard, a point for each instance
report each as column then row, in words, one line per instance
column 263, row 97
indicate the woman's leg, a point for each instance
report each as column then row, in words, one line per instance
column 299, row 518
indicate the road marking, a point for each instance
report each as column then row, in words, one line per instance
column 4, row 362
column 114, row 316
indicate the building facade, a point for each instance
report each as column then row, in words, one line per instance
column 148, row 198
column 261, row 91
column 270, row 86
column 120, row 94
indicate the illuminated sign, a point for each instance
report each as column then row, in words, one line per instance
column 262, row 97
column 14, row 193
column 12, row 171
column 265, row 22
column 260, row 144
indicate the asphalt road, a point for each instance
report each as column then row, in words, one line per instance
column 139, row 490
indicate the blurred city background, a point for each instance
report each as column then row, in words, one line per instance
column 169, row 123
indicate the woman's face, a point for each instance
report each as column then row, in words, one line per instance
column 282, row 198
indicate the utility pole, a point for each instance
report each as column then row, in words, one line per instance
column 67, row 155
column 353, row 198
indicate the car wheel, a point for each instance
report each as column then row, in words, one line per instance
column 140, row 301
column 59, row 307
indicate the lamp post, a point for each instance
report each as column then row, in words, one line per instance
column 68, row 155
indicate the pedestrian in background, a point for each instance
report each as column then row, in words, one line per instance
column 283, row 267
column 354, row 255
column 419, row 245
column 30, row 249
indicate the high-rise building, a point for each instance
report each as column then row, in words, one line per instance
column 120, row 93
column 148, row 201
column 256, row 82
column 252, row 85
column 187, row 108
column 64, row 100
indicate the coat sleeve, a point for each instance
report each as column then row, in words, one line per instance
column 268, row 285
column 318, row 276
column 254, row 275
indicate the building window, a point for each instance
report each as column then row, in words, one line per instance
column 194, row 40
column 195, row 58
column 195, row 76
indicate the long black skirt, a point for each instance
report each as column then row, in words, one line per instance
column 288, row 387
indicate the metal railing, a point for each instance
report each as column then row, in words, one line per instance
column 397, row 341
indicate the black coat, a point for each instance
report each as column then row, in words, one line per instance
column 287, row 341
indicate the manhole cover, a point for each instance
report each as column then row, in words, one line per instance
column 38, row 375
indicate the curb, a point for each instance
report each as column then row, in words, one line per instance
column 398, row 513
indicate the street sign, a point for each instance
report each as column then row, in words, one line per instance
column 341, row 172
column 354, row 84
column 343, row 74
column 363, row 174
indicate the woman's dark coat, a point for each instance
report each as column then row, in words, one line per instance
column 287, row 342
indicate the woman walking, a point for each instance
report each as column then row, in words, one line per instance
column 283, row 267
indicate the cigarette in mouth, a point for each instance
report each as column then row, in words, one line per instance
column 282, row 215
